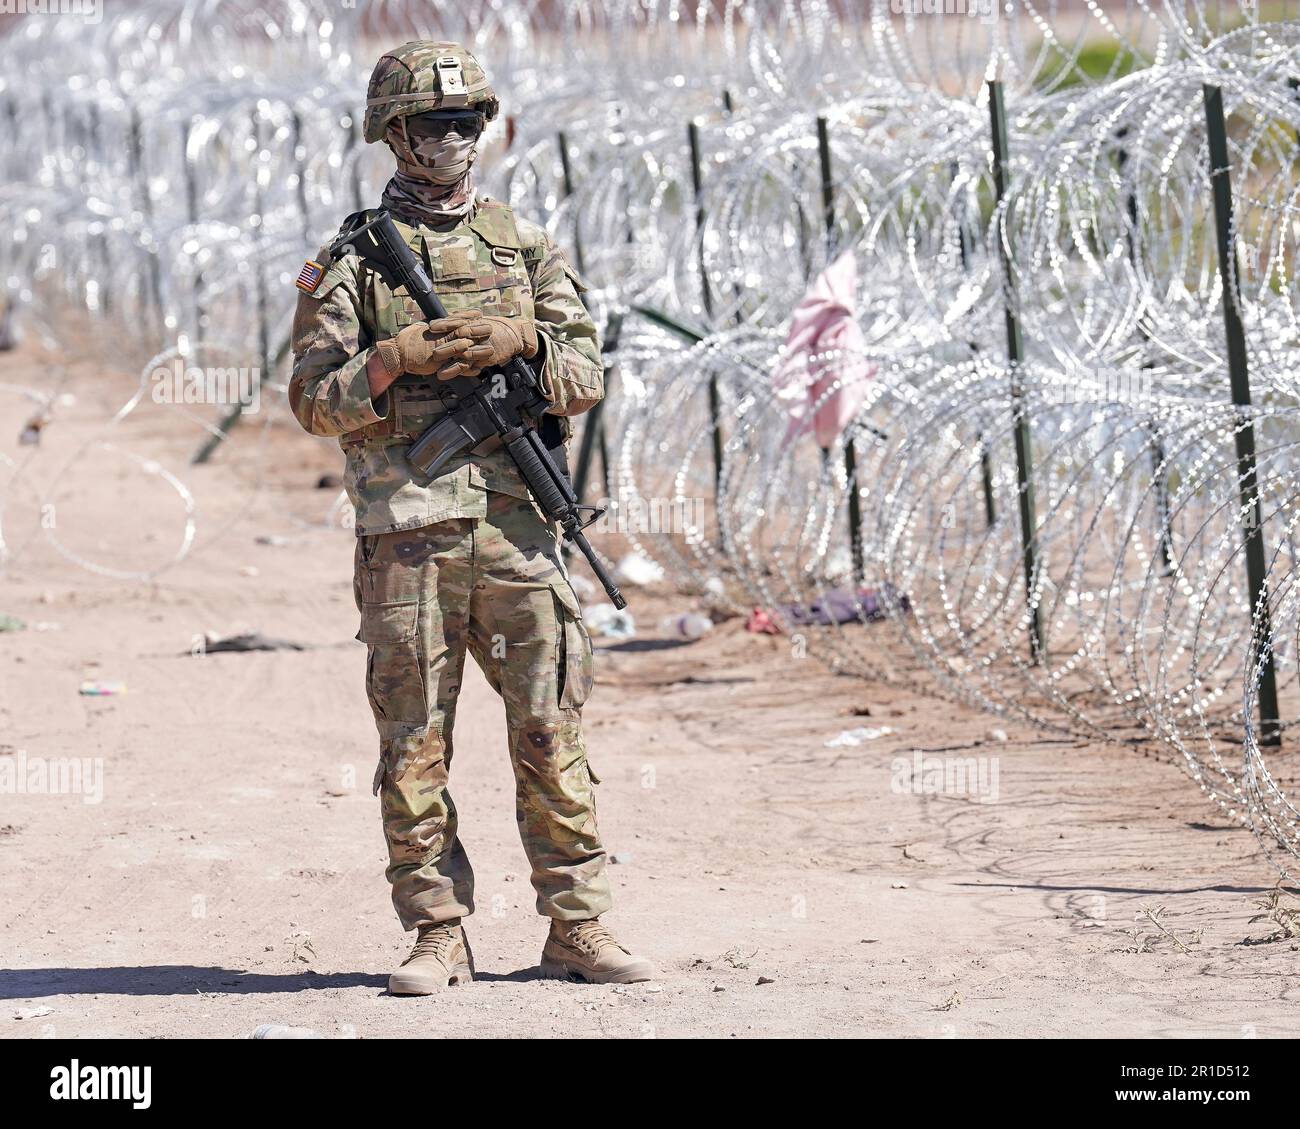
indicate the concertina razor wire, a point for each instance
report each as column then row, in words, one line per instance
column 1064, row 538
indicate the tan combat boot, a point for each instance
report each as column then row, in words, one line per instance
column 586, row 950
column 441, row 957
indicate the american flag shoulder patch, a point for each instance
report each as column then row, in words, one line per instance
column 309, row 277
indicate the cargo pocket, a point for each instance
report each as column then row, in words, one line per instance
column 575, row 666
column 388, row 591
column 389, row 623
column 395, row 674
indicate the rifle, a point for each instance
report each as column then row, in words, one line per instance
column 505, row 404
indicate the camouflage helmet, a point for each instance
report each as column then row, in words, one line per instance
column 421, row 76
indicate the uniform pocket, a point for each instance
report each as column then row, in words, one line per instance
column 396, row 681
column 416, row 414
column 405, row 312
column 388, row 312
column 473, row 294
column 578, row 284
column 359, row 560
column 389, row 623
column 387, row 589
column 501, row 476
column 501, row 290
column 575, row 662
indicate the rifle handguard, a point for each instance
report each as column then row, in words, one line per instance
column 553, row 503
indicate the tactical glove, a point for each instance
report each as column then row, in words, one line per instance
column 424, row 346
column 490, row 341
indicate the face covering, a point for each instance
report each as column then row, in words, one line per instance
column 434, row 180
column 447, row 160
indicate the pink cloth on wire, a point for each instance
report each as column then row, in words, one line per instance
column 825, row 321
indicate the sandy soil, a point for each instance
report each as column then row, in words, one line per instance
column 232, row 873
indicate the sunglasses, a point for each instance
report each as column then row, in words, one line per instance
column 438, row 124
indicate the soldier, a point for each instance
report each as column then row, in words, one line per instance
column 464, row 560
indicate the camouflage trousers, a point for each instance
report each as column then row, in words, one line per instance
column 496, row 586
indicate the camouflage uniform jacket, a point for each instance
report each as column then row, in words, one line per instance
column 492, row 262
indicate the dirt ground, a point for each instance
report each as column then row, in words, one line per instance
column 231, row 872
